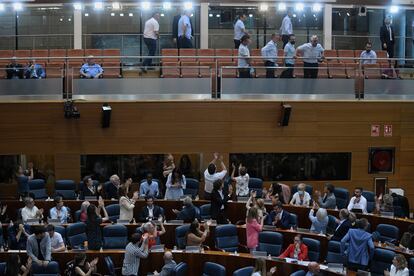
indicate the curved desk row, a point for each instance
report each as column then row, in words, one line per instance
column 236, row 211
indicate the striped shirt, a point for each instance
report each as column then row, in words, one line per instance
column 132, row 256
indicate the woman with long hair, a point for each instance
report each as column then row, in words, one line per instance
column 175, row 185
column 254, row 225
column 14, row 266
column 260, row 267
column 219, row 200
column 194, row 236
column 93, row 225
column 398, row 267
column 82, row 267
column 126, row 204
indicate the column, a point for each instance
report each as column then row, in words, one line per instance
column 327, row 27
column 203, row 25
column 77, row 29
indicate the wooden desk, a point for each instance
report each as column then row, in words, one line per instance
column 194, row 260
column 236, row 211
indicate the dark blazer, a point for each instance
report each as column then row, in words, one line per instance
column 341, row 231
column 14, row 71
column 144, row 213
column 87, row 192
column 283, row 223
column 111, row 191
column 175, row 26
column 385, row 35
column 188, row 214
column 217, row 202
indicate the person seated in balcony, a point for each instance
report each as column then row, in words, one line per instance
column 320, row 221
column 60, row 212
column 30, row 211
column 301, row 197
column 91, row 70
column 328, row 201
column 176, row 184
column 312, row 53
column 297, row 250
column 149, row 187
column 244, row 61
column 189, row 212
column 269, row 53
column 14, row 70
column 18, row 234
column 150, row 211
column 368, row 56
column 242, row 181
column 34, row 70
column 278, row 217
column 56, row 240
column 196, row 237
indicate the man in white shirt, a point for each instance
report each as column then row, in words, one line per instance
column 239, row 30
column 358, row 201
column 289, row 52
column 242, row 181
column 244, row 57
column 56, row 240
column 269, row 53
column 368, row 56
column 312, row 52
column 151, row 34
column 30, row 211
column 286, row 29
column 185, row 31
column 211, row 175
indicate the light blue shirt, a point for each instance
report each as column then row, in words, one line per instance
column 289, row 53
column 368, row 58
column 269, row 51
column 184, row 21
column 149, row 189
column 244, row 54
column 318, row 226
column 92, row 70
column 239, row 30
column 286, row 27
column 62, row 216
column 311, row 54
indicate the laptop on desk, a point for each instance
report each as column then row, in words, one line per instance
column 91, row 198
column 53, row 221
column 357, row 210
column 157, row 248
column 32, row 221
column 192, row 249
column 259, row 254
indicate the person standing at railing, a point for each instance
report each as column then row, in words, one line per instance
column 269, row 53
column 151, row 35
column 312, row 52
column 244, row 62
column 185, row 31
column 290, row 55
column 387, row 37
column 14, row 70
column 286, row 29
column 239, row 30
column 368, row 56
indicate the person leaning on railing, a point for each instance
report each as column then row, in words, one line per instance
column 312, row 52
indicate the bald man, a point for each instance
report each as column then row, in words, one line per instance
column 313, row 269
column 312, row 53
column 169, row 265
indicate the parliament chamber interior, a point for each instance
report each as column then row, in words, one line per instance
column 206, row 138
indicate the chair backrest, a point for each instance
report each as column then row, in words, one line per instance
column 205, row 211
column 370, row 196
column 180, row 269
column 76, row 234
column 270, row 242
column 244, row 271
column 382, row 260
column 51, row 268
column 411, row 266
column 37, row 187
column 115, row 236
column 206, row 53
column 293, row 220
column 213, row 269
column 226, row 237
column 314, row 247
column 180, row 234
column 192, row 186
column 171, row 55
column 23, row 184
column 66, row 189
column 388, row 232
column 298, row 273
column 342, row 197
column 2, row 268
column 113, row 211
column 40, row 55
column 330, row 229
column 334, row 252
column 256, row 184
column 110, row 265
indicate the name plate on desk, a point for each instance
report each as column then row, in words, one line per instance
column 122, row 221
column 54, row 221
column 158, row 248
column 32, row 221
column 91, row 198
column 192, row 249
column 259, row 254
column 242, row 199
column 268, row 227
column 176, row 221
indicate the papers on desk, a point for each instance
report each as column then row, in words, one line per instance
column 296, row 261
column 177, row 251
column 16, row 251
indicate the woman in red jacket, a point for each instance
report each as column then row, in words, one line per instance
column 297, row 250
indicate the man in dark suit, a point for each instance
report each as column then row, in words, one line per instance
column 219, row 200
column 343, row 227
column 387, row 37
column 189, row 211
column 14, row 70
column 151, row 211
column 278, row 217
column 175, row 28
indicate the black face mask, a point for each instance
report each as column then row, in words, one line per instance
column 292, row 42
column 368, row 51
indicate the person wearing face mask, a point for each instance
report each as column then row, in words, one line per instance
column 290, row 55
column 368, row 56
column 358, row 201
column 149, row 187
column 387, row 37
column 312, row 53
